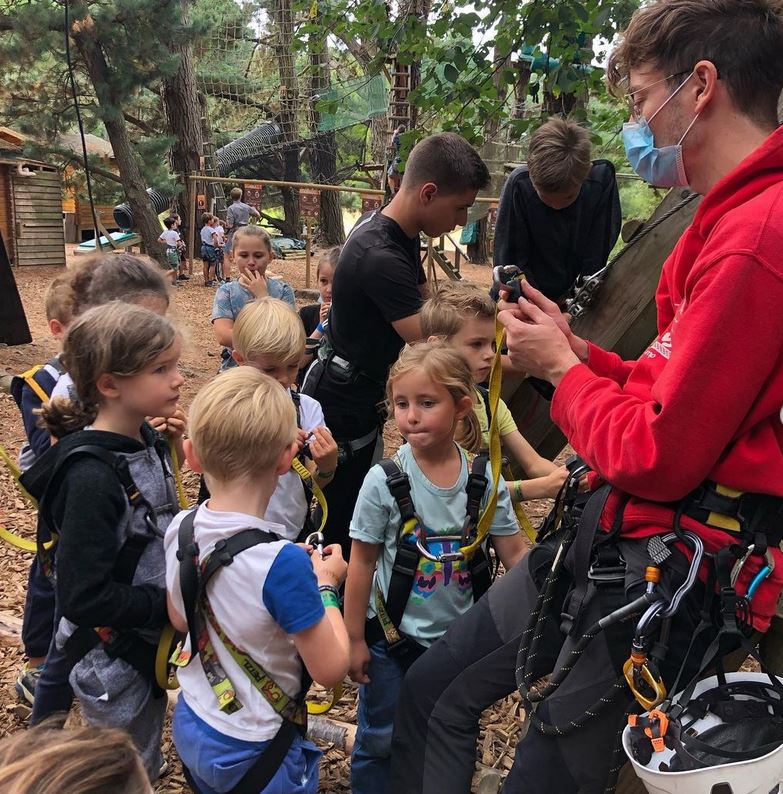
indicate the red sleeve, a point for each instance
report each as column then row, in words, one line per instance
column 659, row 439
column 607, row 364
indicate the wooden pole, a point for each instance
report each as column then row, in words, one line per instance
column 362, row 191
column 192, row 188
column 308, row 251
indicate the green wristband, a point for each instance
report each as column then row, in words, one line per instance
column 518, row 491
column 329, row 599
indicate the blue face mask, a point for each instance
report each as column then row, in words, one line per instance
column 659, row 166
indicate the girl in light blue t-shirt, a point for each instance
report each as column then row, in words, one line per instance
column 430, row 390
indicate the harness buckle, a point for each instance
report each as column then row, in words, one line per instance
column 443, row 557
column 607, row 568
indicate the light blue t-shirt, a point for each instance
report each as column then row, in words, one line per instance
column 441, row 591
column 231, row 298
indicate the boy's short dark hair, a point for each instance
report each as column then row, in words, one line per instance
column 236, row 194
column 448, row 161
column 169, row 222
column 206, row 218
column 742, row 38
column 558, row 159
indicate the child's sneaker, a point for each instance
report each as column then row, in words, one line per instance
column 26, row 681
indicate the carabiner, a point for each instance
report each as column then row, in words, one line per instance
column 316, row 540
column 637, row 672
column 443, row 557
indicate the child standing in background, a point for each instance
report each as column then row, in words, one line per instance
column 252, row 252
column 464, row 316
column 430, row 390
column 269, row 336
column 209, row 245
column 107, row 490
column 238, row 215
column 171, row 239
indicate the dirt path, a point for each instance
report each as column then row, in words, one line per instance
column 190, row 309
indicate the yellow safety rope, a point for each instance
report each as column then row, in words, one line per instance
column 9, row 537
column 181, row 497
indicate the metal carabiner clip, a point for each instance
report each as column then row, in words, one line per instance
column 443, row 557
column 316, row 540
column 508, row 278
column 637, row 672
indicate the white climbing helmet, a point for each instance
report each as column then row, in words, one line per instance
column 761, row 775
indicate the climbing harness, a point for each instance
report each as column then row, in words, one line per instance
column 195, row 575
column 413, row 545
column 753, row 524
column 125, row 644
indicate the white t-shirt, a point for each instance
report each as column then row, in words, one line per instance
column 268, row 593
column 207, row 233
column 221, row 234
column 64, row 388
column 170, row 237
column 288, row 505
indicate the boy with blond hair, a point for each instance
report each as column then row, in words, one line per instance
column 559, row 215
column 269, row 336
column 464, row 316
column 243, row 437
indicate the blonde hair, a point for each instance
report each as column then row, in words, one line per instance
column 559, row 156
column 446, row 367
column 445, row 311
column 236, row 193
column 269, row 327
column 59, row 298
column 240, row 422
column 252, row 231
column 116, row 338
column 91, row 760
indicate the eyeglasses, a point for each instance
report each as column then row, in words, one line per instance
column 634, row 105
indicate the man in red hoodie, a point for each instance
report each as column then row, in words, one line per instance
column 692, row 422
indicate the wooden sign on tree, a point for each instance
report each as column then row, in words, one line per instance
column 370, row 203
column 253, row 194
column 309, row 203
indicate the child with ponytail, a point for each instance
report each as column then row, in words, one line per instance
column 430, row 392
column 106, row 492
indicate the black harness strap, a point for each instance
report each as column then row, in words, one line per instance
column 193, row 582
column 407, row 556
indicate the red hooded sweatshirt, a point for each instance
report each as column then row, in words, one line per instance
column 703, row 402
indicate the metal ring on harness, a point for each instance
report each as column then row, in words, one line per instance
column 443, row 557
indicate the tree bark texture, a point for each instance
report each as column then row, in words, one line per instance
column 181, row 108
column 110, row 103
column 323, row 152
column 289, row 102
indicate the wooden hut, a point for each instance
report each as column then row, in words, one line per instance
column 31, row 220
column 76, row 209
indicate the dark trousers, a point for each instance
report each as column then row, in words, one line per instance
column 38, row 620
column 53, row 693
column 473, row 665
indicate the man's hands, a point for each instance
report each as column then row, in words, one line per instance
column 539, row 337
column 254, row 282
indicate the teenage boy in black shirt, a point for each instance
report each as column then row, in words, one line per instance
column 376, row 297
column 559, row 215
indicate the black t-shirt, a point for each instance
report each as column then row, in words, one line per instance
column 551, row 246
column 376, row 283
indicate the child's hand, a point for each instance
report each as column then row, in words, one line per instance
column 254, row 282
column 555, row 481
column 332, row 569
column 323, row 448
column 323, row 312
column 301, row 437
column 158, row 423
column 360, row 662
column 177, row 424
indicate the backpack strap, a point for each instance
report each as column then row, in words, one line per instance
column 484, row 394
column 478, row 563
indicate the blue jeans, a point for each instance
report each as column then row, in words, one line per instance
column 370, row 759
column 218, row 762
column 53, row 693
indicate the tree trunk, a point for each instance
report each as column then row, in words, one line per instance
column 479, row 251
column 289, row 101
column 323, row 154
column 181, row 108
column 110, row 104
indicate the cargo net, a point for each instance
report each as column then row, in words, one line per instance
column 268, row 92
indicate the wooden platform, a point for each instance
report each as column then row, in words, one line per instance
column 119, row 240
